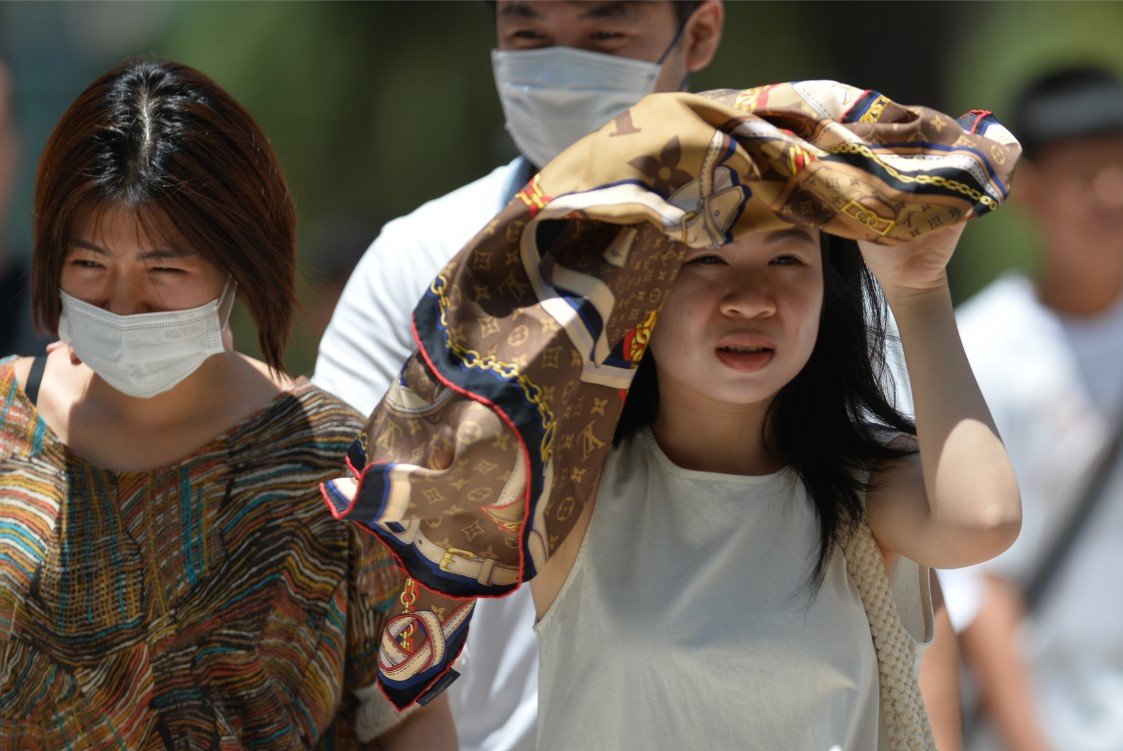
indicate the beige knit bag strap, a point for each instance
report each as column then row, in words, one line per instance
column 905, row 716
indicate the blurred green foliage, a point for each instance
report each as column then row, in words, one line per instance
column 1008, row 44
column 373, row 108
column 376, row 107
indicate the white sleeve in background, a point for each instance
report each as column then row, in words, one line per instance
column 368, row 338
column 963, row 595
column 895, row 380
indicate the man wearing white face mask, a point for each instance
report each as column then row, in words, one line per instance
column 563, row 69
column 553, row 95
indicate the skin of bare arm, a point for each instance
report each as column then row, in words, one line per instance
column 431, row 727
column 990, row 645
column 956, row 502
column 939, row 677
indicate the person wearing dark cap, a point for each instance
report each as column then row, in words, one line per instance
column 1041, row 622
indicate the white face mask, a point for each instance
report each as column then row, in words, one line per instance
column 554, row 96
column 146, row 353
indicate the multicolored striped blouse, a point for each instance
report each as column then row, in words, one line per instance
column 213, row 603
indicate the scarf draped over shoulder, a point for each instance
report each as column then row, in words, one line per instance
column 483, row 452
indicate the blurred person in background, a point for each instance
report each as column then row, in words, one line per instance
column 1042, row 622
column 17, row 334
column 168, row 574
column 563, row 69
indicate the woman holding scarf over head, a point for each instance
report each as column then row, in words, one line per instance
column 653, row 388
column 168, row 575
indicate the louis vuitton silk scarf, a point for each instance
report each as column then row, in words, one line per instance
column 480, row 457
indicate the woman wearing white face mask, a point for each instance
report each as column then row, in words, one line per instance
column 168, row 574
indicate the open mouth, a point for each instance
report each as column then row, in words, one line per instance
column 745, row 359
column 744, row 350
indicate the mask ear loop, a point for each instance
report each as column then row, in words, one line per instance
column 226, row 301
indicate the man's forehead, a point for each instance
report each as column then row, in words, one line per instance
column 1081, row 153
column 580, row 9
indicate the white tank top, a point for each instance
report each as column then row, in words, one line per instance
column 686, row 620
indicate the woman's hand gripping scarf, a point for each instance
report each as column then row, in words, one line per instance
column 482, row 454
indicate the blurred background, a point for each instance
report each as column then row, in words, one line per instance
column 377, row 107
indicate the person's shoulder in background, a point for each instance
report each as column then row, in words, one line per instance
column 1000, row 308
column 1003, row 327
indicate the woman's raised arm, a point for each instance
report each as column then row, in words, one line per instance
column 955, row 503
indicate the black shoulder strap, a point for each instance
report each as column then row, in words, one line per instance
column 34, row 378
column 1089, row 499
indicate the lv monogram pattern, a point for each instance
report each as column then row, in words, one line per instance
column 480, row 457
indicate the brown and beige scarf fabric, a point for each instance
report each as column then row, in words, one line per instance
column 481, row 455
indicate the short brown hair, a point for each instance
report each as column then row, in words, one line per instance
column 165, row 142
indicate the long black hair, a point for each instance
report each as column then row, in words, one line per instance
column 825, row 422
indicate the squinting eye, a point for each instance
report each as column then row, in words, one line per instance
column 83, row 263
column 786, row 260
column 707, row 260
column 166, row 270
column 527, row 35
column 605, row 36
